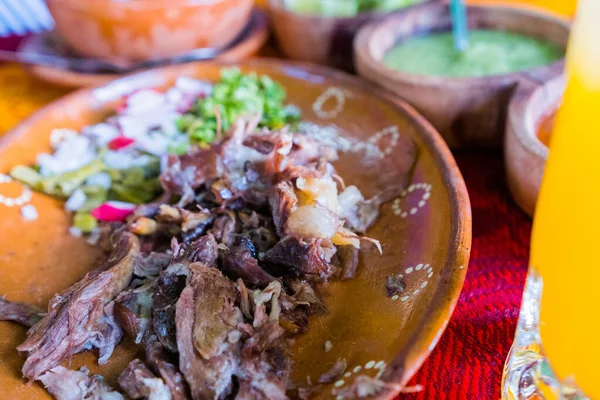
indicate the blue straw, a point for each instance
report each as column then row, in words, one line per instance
column 460, row 28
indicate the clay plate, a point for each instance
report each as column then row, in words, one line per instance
column 247, row 44
column 426, row 234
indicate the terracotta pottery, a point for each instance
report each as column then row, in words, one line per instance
column 531, row 109
column 249, row 43
column 316, row 38
column 145, row 29
column 468, row 112
column 386, row 145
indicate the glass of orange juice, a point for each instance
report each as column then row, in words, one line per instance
column 556, row 353
column 565, row 8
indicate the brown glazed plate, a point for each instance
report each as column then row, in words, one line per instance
column 425, row 230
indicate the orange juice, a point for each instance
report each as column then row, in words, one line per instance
column 565, row 8
column 566, row 234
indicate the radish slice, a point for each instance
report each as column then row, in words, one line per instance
column 119, row 142
column 113, row 211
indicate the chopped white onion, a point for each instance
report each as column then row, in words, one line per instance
column 76, row 232
column 29, row 212
column 195, row 86
column 57, row 136
column 102, row 133
column 101, row 179
column 76, row 201
column 70, row 155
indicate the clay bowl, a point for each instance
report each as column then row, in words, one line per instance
column 145, row 29
column 530, row 117
column 468, row 112
column 426, row 234
column 316, row 38
column 248, row 43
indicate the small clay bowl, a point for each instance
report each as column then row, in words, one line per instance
column 144, row 29
column 531, row 110
column 468, row 112
column 247, row 44
column 318, row 39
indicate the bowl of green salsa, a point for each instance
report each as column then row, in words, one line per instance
column 322, row 31
column 465, row 95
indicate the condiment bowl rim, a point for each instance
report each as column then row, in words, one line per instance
column 279, row 5
column 370, row 32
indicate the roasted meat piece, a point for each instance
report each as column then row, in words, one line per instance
column 171, row 282
column 140, row 383
column 187, row 172
column 21, row 313
column 240, row 262
column 207, row 335
column 66, row 384
column 294, row 257
column 77, row 318
column 133, row 310
column 158, row 359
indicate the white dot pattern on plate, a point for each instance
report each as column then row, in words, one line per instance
column 394, row 135
column 419, row 269
column 369, row 367
column 403, row 213
column 18, row 201
column 331, row 93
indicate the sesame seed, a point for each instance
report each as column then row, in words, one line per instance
column 339, row 383
column 357, row 369
column 419, row 267
column 370, row 364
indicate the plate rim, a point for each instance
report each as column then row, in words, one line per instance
column 431, row 327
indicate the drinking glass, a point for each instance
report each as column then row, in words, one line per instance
column 556, row 352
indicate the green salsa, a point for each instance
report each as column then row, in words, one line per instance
column 490, row 52
column 346, row 8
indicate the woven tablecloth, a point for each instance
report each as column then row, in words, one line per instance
column 467, row 363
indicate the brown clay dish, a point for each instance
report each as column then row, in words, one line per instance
column 525, row 154
column 142, row 29
column 250, row 41
column 429, row 246
column 315, row 38
column 468, row 112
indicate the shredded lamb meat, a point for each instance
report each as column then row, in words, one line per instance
column 160, row 363
column 21, row 313
column 77, row 318
column 66, row 384
column 213, row 279
column 140, row 383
